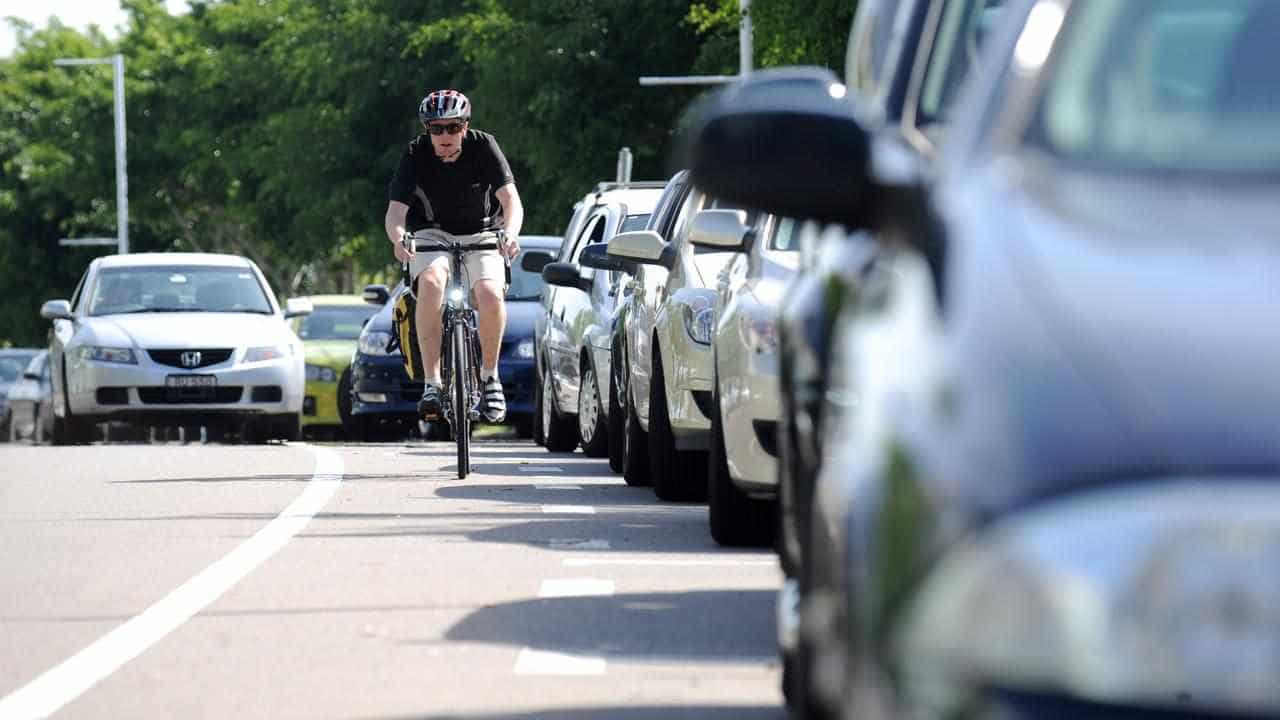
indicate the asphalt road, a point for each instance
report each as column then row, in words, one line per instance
column 366, row 581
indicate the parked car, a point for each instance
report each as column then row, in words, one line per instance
column 573, row 330
column 329, row 336
column 187, row 339
column 628, row 437
column 1055, row 493
column 14, row 363
column 669, row 334
column 742, row 479
column 384, row 400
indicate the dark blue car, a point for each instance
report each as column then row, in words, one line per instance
column 383, row 398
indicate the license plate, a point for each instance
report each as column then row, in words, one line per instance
column 191, row 382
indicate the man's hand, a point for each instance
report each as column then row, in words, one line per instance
column 511, row 247
column 404, row 251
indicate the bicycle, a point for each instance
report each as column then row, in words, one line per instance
column 459, row 345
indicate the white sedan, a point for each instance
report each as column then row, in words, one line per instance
column 175, row 339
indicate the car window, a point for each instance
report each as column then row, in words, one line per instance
column 591, row 234
column 868, row 45
column 12, row 367
column 525, row 285
column 633, row 222
column 75, row 296
column 785, row 236
column 963, row 27
column 1165, row 86
column 335, row 322
column 178, row 288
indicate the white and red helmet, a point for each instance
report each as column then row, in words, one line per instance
column 444, row 105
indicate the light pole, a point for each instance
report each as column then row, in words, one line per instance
column 121, row 240
column 745, row 49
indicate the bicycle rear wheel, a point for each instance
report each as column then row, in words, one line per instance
column 461, row 400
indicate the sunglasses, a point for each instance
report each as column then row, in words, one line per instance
column 452, row 128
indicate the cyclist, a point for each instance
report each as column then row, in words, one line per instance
column 448, row 179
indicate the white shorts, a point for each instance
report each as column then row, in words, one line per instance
column 477, row 266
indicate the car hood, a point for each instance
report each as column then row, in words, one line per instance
column 709, row 266
column 333, row 353
column 522, row 315
column 189, row 330
column 1128, row 325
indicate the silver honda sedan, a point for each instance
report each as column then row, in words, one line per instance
column 175, row 339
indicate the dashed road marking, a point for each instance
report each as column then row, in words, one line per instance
column 642, row 562
column 65, row 682
column 540, row 469
column 557, row 487
column 575, row 587
column 579, row 544
column 542, row 662
column 568, row 510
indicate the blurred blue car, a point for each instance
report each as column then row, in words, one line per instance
column 383, row 398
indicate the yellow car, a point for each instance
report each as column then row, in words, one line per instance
column 329, row 337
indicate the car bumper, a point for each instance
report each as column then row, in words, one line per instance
column 320, row 404
column 381, row 388
column 107, row 391
column 749, row 414
column 689, row 384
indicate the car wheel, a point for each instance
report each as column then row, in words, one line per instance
column 735, row 518
column 539, row 431
column 68, row 430
column 617, row 423
column 288, row 427
column 344, row 398
column 591, row 432
column 677, row 474
column 635, row 452
column 560, row 434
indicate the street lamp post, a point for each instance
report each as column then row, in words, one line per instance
column 121, row 240
column 745, row 50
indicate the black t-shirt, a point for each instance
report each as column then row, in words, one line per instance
column 458, row 197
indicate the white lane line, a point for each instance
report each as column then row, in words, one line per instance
column 540, row 469
column 541, row 662
column 639, row 562
column 575, row 587
column 579, row 544
column 65, row 682
column 568, row 510
column 557, row 487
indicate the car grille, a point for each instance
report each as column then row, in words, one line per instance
column 204, row 358
column 164, row 396
column 267, row 393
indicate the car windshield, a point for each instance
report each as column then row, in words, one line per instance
column 178, row 288
column 12, row 367
column 1165, row 86
column 335, row 322
column 633, row 222
column 784, row 236
column 525, row 285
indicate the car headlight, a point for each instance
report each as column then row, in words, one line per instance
column 699, row 317
column 1157, row 595
column 320, row 373
column 267, row 352
column 107, row 354
column 523, row 350
column 374, row 343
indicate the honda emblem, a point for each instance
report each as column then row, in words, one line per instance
column 190, row 358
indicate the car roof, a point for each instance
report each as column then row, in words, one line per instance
column 542, row 242
column 158, row 259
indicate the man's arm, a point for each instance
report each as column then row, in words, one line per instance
column 513, row 214
column 397, row 212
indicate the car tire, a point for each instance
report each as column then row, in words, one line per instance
column 67, row 430
column 560, row 433
column 677, row 474
column 592, row 433
column 344, row 399
column 617, row 423
column 635, row 454
column 539, row 432
column 288, row 427
column 735, row 518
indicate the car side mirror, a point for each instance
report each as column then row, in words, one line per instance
column 732, row 152
column 639, row 246
column 376, row 294
column 56, row 310
column 534, row 260
column 28, row 375
column 597, row 256
column 720, row 229
column 565, row 274
column 297, row 307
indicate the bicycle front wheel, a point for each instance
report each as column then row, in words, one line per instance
column 461, row 399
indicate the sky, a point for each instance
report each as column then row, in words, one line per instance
column 79, row 14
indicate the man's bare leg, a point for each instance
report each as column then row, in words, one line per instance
column 493, row 321
column 431, row 285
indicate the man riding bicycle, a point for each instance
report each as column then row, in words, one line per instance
column 447, row 180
